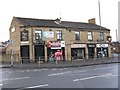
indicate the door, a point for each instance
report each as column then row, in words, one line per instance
column 24, row 50
column 39, row 52
column 91, row 52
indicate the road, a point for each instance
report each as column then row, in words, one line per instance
column 96, row 76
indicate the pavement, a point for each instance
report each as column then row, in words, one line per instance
column 61, row 64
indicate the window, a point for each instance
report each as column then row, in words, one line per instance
column 24, row 35
column 77, row 35
column 90, row 37
column 59, row 35
column 38, row 36
column 101, row 36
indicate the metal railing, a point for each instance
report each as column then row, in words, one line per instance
column 75, row 61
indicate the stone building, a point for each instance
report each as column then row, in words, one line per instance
column 37, row 38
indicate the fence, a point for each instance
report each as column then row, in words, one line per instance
column 40, row 61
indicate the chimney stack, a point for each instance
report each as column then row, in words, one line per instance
column 93, row 21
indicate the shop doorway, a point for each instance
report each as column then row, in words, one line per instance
column 77, row 53
column 39, row 52
column 24, row 52
column 91, row 52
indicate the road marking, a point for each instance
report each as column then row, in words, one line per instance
column 67, row 72
column 109, row 74
column 44, row 69
column 38, row 86
column 15, row 78
column 20, row 71
column 45, row 85
column 55, row 74
column 65, row 68
column 27, row 70
column 1, row 84
column 54, row 69
column 103, row 68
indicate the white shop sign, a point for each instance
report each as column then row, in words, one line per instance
column 48, row 34
column 78, row 45
column 102, row 45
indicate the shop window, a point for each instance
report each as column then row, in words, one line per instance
column 59, row 35
column 90, row 36
column 101, row 36
column 77, row 35
column 24, row 35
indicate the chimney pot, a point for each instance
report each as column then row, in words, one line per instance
column 93, row 21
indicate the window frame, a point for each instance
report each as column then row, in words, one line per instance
column 39, row 34
column 24, row 35
column 90, row 36
column 59, row 35
column 77, row 37
column 101, row 36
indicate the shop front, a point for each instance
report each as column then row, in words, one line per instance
column 77, row 51
column 54, row 46
column 102, row 50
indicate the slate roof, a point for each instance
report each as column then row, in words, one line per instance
column 64, row 24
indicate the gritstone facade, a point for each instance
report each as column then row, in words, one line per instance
column 37, row 38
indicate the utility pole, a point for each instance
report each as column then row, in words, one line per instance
column 99, row 14
column 116, row 35
column 100, row 24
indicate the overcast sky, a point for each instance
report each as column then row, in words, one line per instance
column 69, row 10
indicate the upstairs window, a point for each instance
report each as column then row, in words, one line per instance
column 77, row 35
column 101, row 36
column 38, row 36
column 59, row 35
column 90, row 36
column 24, row 35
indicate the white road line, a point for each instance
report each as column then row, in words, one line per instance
column 65, row 68
column 1, row 84
column 14, row 78
column 100, row 68
column 55, row 74
column 45, row 85
column 6, row 72
column 20, row 71
column 67, row 72
column 54, row 69
column 109, row 74
column 44, row 69
column 38, row 86
column 27, row 70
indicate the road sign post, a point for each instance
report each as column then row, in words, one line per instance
column 11, row 52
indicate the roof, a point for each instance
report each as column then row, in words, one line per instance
column 64, row 24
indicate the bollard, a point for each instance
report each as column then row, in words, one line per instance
column 21, row 61
column 39, row 61
column 84, row 61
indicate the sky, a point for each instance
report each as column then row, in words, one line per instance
column 68, row 10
